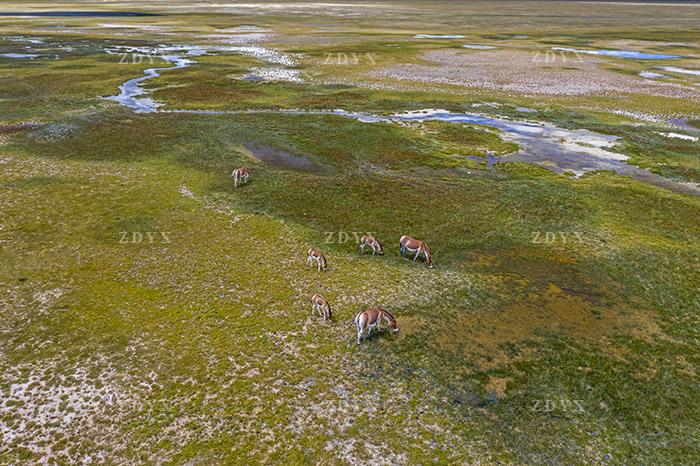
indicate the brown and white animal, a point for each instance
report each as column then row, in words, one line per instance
column 365, row 321
column 407, row 243
column 320, row 304
column 315, row 255
column 371, row 241
column 240, row 175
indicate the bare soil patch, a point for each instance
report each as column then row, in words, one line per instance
column 523, row 72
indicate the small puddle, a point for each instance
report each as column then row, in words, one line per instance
column 19, row 55
column 438, row 36
column 651, row 75
column 279, row 158
column 478, row 47
column 620, row 54
column 679, row 70
column 28, row 40
column 490, row 159
column 683, row 123
column 680, row 136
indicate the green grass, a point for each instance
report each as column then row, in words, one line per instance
column 197, row 343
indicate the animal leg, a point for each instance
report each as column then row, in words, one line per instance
column 417, row 254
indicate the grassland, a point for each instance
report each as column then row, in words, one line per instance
column 560, row 325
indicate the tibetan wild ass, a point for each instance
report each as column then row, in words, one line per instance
column 365, row 321
column 240, row 175
column 315, row 255
column 406, row 243
column 371, row 241
column 320, row 304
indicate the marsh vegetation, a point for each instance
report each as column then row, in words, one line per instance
column 153, row 313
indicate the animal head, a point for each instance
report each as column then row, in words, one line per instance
column 380, row 248
column 392, row 322
column 428, row 255
column 393, row 325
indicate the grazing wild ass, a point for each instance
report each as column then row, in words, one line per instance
column 320, row 304
column 406, row 243
column 371, row 241
column 315, row 255
column 240, row 175
column 365, row 321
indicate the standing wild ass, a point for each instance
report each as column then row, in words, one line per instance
column 365, row 321
column 407, row 243
column 315, row 255
column 320, row 304
column 240, row 175
column 371, row 241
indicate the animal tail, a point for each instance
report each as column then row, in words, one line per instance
column 356, row 320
